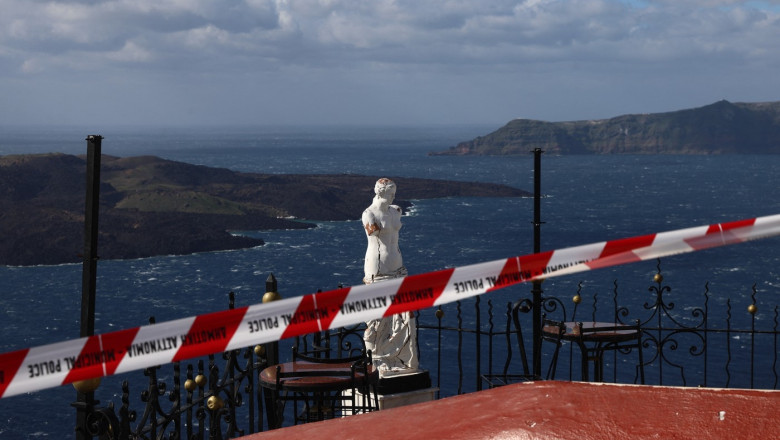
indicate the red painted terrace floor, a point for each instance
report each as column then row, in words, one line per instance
column 563, row 410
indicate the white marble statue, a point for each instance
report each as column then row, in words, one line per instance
column 392, row 340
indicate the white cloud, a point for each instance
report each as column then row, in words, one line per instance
column 439, row 47
column 380, row 31
column 132, row 53
column 31, row 65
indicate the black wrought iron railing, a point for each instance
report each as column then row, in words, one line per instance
column 467, row 346
column 699, row 344
column 216, row 397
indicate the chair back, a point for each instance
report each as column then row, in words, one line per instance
column 340, row 343
column 523, row 306
column 504, row 378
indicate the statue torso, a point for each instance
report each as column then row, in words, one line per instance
column 383, row 256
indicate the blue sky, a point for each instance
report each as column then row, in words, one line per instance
column 222, row 62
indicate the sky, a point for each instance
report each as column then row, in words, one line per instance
column 378, row 62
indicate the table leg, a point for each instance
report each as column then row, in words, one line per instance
column 598, row 366
column 273, row 411
column 585, row 360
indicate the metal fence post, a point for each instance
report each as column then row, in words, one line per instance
column 536, row 290
column 271, row 351
column 271, row 294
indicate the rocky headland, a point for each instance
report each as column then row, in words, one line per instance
column 151, row 206
column 719, row 128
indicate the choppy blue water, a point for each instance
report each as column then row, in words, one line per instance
column 588, row 199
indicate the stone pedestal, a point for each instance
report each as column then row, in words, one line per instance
column 404, row 382
column 387, row 401
column 399, row 390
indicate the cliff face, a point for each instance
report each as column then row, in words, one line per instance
column 151, row 206
column 719, row 128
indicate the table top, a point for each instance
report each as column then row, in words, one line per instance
column 335, row 376
column 610, row 332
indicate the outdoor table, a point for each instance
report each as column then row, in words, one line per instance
column 601, row 336
column 319, row 383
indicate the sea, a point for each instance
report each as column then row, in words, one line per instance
column 585, row 199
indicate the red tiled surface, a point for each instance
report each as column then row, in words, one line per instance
column 564, row 410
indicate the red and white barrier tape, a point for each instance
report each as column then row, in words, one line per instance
column 65, row 362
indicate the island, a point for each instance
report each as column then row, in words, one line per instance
column 719, row 128
column 151, row 206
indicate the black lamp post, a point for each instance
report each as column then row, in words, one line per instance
column 85, row 400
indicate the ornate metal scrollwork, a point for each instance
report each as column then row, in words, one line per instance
column 211, row 403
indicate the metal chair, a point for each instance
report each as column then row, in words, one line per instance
column 504, row 378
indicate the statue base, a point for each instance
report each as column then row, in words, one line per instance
column 399, row 390
column 404, row 382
